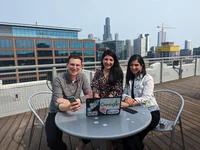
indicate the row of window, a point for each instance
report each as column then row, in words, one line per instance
column 4, row 63
column 6, row 43
column 43, row 33
column 43, row 53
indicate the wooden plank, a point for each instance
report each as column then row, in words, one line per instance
column 43, row 142
column 3, row 121
column 7, row 126
column 89, row 146
column 24, row 142
column 177, row 139
column 150, row 144
column 195, row 140
column 166, row 139
column 16, row 140
column 95, row 144
column 8, row 137
column 159, row 142
column 74, row 142
column 66, row 139
column 37, row 134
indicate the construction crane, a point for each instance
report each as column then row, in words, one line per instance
column 164, row 27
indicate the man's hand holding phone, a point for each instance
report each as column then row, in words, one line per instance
column 75, row 104
column 69, row 104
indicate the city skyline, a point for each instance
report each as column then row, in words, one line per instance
column 128, row 18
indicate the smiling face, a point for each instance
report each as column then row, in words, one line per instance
column 135, row 67
column 108, row 62
column 74, row 66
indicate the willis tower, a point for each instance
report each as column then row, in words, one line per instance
column 107, row 35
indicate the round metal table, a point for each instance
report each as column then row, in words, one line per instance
column 103, row 127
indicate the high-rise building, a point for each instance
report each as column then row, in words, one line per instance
column 185, row 52
column 188, row 44
column 116, row 36
column 25, row 44
column 196, row 51
column 147, row 48
column 128, row 48
column 159, row 40
column 142, row 44
column 107, row 31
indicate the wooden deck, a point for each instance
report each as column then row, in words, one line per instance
column 15, row 130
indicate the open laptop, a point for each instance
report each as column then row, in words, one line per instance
column 103, row 106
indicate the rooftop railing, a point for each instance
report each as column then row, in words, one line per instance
column 19, row 82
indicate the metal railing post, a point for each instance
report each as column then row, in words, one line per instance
column 54, row 72
column 195, row 67
column 180, row 69
column 90, row 76
column 161, row 71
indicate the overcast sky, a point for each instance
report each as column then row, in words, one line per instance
column 129, row 18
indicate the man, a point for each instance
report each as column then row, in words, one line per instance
column 70, row 83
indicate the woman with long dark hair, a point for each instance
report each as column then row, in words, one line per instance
column 139, row 91
column 108, row 81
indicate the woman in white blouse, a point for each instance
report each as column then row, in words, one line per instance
column 139, row 91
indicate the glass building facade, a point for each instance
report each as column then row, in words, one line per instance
column 22, row 45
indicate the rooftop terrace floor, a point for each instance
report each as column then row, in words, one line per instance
column 15, row 129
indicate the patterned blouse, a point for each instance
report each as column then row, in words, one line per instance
column 100, row 86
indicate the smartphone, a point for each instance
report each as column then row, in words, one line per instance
column 71, row 99
column 132, row 111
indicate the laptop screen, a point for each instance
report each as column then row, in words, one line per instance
column 103, row 106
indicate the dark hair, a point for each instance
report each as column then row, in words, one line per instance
column 129, row 74
column 74, row 56
column 116, row 72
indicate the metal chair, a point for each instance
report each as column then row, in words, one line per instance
column 37, row 101
column 171, row 105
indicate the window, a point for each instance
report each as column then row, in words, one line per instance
column 4, row 63
column 24, row 44
column 75, row 44
column 61, row 60
column 88, row 44
column 44, row 53
column 78, row 52
column 88, row 59
column 43, row 44
column 61, row 52
column 25, row 53
column 6, row 53
column 60, row 44
column 5, row 43
column 43, row 33
column 26, row 62
column 88, row 52
column 45, row 61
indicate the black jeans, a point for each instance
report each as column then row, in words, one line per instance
column 54, row 135
column 135, row 142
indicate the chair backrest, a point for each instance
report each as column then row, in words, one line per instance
column 39, row 100
column 171, row 104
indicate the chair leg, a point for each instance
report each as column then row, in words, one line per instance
column 172, row 139
column 180, row 124
column 31, row 134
